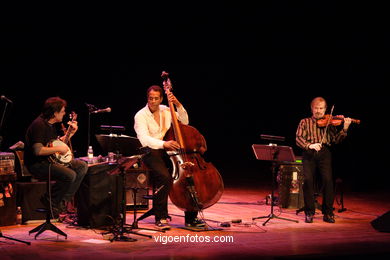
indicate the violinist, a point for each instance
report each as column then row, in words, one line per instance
column 151, row 124
column 315, row 140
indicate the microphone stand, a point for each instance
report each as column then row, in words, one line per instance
column 1, row 123
column 91, row 108
column 14, row 239
column 1, row 139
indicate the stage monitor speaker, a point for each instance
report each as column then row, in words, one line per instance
column 7, row 199
column 290, row 179
column 382, row 223
column 28, row 196
column 138, row 180
column 141, row 202
column 98, row 198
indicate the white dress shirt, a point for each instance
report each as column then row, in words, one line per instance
column 151, row 134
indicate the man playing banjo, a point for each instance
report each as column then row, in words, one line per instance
column 48, row 157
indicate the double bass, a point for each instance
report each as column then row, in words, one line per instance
column 197, row 184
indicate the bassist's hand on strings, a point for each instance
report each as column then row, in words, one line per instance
column 171, row 145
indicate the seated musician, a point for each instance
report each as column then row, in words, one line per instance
column 44, row 129
column 151, row 123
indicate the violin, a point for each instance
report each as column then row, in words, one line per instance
column 333, row 120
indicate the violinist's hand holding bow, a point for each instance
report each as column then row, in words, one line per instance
column 316, row 146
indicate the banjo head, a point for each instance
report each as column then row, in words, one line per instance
column 62, row 158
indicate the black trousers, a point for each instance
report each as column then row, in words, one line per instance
column 320, row 162
column 158, row 161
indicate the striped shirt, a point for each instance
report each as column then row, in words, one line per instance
column 309, row 133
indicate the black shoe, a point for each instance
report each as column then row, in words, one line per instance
column 196, row 223
column 162, row 224
column 309, row 218
column 329, row 218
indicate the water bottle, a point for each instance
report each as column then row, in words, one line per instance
column 90, row 154
column 18, row 215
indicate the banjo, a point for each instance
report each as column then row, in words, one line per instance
column 63, row 159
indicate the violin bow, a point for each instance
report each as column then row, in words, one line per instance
column 327, row 124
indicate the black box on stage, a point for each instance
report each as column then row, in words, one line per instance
column 98, row 198
column 137, row 179
column 28, row 198
column 382, row 223
column 7, row 199
column 290, row 179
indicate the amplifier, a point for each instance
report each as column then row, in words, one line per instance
column 28, row 195
column 7, row 163
column 98, row 199
column 7, row 200
column 137, row 181
column 290, row 179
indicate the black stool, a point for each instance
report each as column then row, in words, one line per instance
column 151, row 212
column 47, row 225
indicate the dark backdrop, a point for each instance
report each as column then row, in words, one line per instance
column 240, row 71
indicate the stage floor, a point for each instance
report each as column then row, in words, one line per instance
column 351, row 235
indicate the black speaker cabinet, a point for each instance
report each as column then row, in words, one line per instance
column 290, row 179
column 382, row 223
column 98, row 198
column 28, row 196
column 7, row 199
column 136, row 183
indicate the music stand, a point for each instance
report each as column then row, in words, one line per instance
column 124, row 145
column 276, row 154
column 119, row 144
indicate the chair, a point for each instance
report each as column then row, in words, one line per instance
column 23, row 174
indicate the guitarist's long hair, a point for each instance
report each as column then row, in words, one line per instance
column 52, row 104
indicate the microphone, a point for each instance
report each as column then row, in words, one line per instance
column 6, row 99
column 105, row 110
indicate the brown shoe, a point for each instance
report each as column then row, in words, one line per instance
column 309, row 218
column 329, row 218
column 162, row 224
